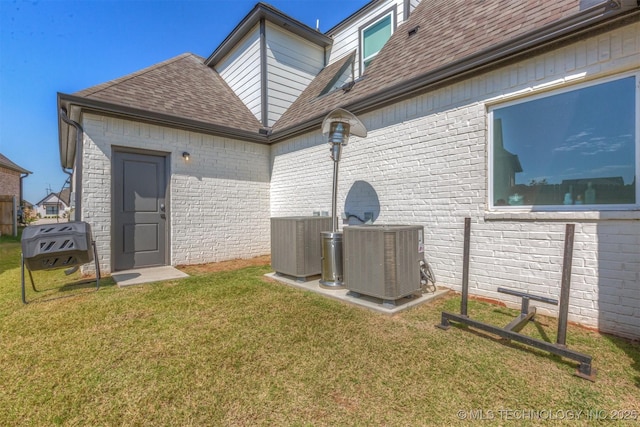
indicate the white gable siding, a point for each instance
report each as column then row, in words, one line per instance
column 218, row 201
column 413, row 4
column 425, row 162
column 347, row 38
column 292, row 63
column 241, row 70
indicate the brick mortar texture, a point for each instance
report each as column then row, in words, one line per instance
column 219, row 200
column 9, row 183
column 424, row 161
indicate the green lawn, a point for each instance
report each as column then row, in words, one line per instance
column 231, row 348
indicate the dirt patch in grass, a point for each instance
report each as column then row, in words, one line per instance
column 231, row 265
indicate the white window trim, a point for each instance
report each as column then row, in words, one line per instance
column 390, row 12
column 578, row 212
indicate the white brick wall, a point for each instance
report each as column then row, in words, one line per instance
column 219, row 200
column 426, row 159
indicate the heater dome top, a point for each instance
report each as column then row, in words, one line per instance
column 340, row 115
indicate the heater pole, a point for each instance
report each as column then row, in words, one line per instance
column 335, row 155
column 337, row 125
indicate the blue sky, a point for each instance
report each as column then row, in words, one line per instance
column 584, row 133
column 52, row 46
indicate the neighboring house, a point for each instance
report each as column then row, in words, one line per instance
column 54, row 204
column 429, row 80
column 11, row 176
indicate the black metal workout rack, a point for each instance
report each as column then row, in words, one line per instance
column 511, row 331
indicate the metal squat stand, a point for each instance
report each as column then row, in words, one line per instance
column 69, row 271
column 511, row 331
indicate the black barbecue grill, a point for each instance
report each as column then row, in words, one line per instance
column 53, row 246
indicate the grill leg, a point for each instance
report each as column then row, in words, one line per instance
column 33, row 285
column 24, row 299
column 95, row 257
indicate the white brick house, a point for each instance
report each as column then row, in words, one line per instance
column 54, row 205
column 431, row 99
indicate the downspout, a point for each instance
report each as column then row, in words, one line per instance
column 22, row 176
column 78, row 183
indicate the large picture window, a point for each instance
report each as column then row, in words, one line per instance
column 567, row 150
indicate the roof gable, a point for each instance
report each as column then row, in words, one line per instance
column 441, row 40
column 52, row 198
column 263, row 11
column 181, row 87
column 444, row 39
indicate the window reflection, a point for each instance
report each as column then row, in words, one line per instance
column 570, row 148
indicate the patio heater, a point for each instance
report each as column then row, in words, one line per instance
column 338, row 125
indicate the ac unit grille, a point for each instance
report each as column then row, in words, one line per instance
column 383, row 261
column 296, row 244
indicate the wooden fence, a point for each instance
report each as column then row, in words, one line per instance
column 8, row 220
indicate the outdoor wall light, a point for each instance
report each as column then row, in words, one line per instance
column 186, row 156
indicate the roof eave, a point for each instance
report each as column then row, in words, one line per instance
column 586, row 21
column 348, row 20
column 16, row 169
column 264, row 11
column 6, row 163
column 77, row 104
column 66, row 148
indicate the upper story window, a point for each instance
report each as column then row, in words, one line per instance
column 570, row 149
column 373, row 37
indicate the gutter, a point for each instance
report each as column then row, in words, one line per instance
column 77, row 154
column 585, row 21
column 162, row 119
column 22, row 176
column 588, row 20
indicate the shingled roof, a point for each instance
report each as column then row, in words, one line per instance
column 8, row 164
column 449, row 38
column 182, row 87
column 442, row 39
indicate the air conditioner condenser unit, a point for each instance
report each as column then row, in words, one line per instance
column 383, row 261
column 296, row 245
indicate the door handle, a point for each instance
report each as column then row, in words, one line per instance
column 162, row 207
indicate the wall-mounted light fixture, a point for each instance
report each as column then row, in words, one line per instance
column 186, row 156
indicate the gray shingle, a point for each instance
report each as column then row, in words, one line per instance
column 182, row 87
column 8, row 164
column 449, row 31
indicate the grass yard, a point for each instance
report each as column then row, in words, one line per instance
column 228, row 347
